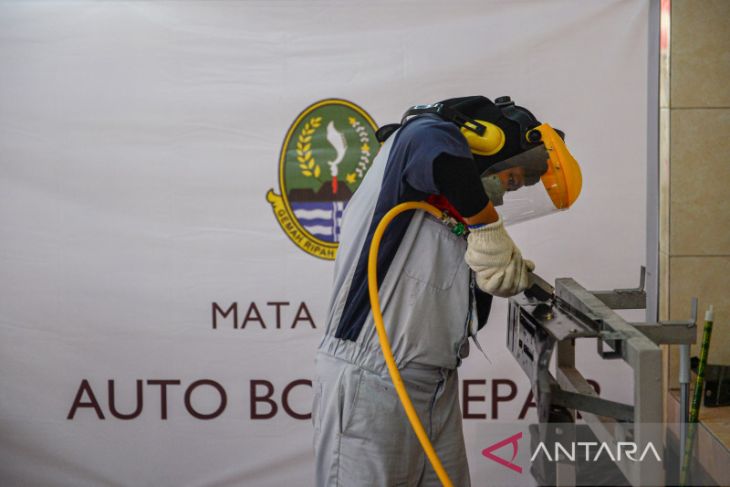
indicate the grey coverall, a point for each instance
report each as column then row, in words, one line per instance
column 362, row 436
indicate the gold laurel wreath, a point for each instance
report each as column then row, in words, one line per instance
column 307, row 164
column 364, row 161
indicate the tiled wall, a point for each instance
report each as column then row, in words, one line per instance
column 696, row 246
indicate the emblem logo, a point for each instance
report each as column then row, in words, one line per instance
column 512, row 440
column 325, row 155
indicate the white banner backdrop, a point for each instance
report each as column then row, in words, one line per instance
column 138, row 142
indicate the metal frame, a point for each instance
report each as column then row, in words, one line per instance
column 636, row 343
column 544, row 318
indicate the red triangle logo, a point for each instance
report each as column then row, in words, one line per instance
column 487, row 452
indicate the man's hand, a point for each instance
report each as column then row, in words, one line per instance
column 496, row 260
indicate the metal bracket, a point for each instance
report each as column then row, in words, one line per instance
column 629, row 298
column 642, row 283
column 674, row 332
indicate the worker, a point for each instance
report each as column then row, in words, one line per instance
column 436, row 289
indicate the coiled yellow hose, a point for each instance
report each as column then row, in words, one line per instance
column 383, row 337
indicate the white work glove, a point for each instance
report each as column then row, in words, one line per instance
column 496, row 260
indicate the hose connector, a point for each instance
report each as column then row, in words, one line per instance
column 456, row 227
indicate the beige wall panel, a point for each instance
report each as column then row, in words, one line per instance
column 700, row 178
column 700, row 56
column 708, row 278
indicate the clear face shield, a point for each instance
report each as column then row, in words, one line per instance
column 539, row 181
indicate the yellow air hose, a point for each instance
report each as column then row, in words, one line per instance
column 383, row 337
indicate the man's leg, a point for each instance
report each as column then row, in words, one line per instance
column 447, row 435
column 362, row 438
column 378, row 445
column 334, row 388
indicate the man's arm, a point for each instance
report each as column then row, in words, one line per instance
column 458, row 180
column 491, row 253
